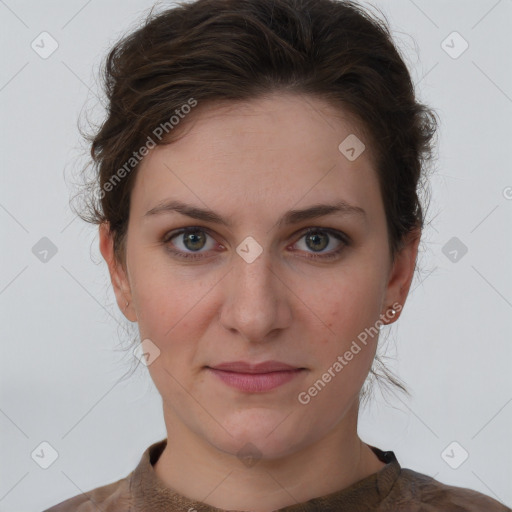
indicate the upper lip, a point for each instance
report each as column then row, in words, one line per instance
column 264, row 367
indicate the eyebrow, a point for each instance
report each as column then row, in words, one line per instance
column 291, row 217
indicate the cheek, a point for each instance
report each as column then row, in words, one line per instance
column 348, row 340
column 160, row 296
column 172, row 311
column 158, row 309
column 343, row 357
column 348, row 305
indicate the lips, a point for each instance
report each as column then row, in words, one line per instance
column 264, row 367
column 254, row 378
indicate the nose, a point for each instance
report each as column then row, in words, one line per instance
column 257, row 300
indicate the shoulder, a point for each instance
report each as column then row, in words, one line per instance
column 416, row 492
column 114, row 497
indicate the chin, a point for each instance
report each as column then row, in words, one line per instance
column 262, row 433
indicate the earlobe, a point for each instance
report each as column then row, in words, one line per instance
column 118, row 277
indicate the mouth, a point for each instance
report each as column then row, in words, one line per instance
column 255, row 378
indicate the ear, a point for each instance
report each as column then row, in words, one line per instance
column 118, row 275
column 400, row 276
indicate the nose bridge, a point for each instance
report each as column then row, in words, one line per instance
column 252, row 263
column 253, row 275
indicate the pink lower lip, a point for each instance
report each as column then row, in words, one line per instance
column 255, row 382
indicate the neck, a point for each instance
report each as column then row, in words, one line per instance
column 199, row 471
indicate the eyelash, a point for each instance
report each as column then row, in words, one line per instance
column 338, row 235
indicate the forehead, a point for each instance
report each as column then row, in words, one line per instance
column 281, row 150
column 278, row 122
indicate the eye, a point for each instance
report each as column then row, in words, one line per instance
column 189, row 241
column 318, row 239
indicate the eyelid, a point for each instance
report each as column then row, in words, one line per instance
column 340, row 235
column 187, row 229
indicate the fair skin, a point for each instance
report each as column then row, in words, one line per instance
column 251, row 163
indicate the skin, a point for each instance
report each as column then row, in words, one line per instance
column 252, row 162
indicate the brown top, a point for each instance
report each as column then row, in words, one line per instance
column 391, row 489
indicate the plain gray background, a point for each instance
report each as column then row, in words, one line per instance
column 61, row 359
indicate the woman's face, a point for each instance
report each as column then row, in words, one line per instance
column 255, row 286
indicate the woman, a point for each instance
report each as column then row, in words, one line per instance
column 257, row 200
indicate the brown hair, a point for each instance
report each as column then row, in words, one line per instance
column 236, row 50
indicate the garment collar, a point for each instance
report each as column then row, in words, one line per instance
column 151, row 493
